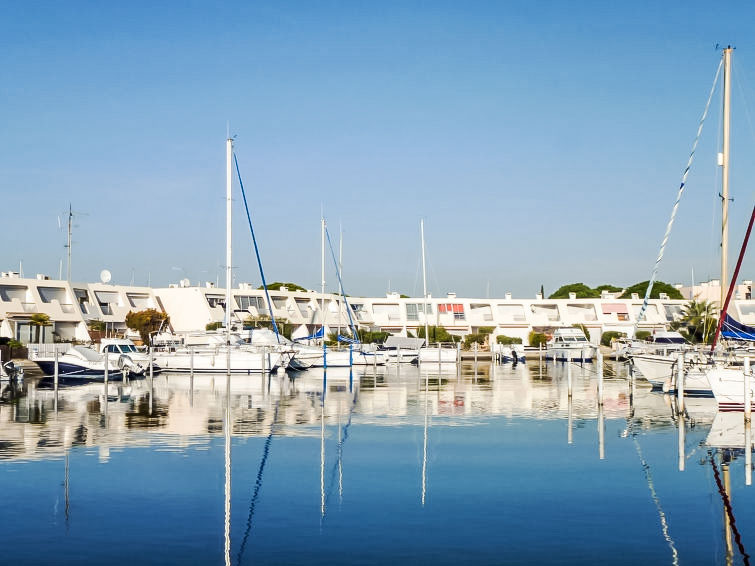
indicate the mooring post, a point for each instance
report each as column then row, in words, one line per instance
column 682, row 433
column 601, row 433
column 107, row 372
column 600, row 377
column 56, row 373
column 680, row 382
column 747, row 392
column 568, row 374
column 748, row 453
column 262, row 363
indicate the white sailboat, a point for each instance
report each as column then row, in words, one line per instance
column 222, row 353
column 427, row 354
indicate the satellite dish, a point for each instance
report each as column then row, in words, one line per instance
column 105, row 276
column 185, row 282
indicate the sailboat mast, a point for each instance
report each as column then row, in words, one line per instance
column 228, row 238
column 424, row 280
column 724, row 162
column 322, row 275
column 70, row 241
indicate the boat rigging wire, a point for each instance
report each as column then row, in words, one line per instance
column 340, row 284
column 679, row 194
column 256, row 251
column 257, row 486
column 729, row 512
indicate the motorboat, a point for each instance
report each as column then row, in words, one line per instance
column 569, row 344
column 80, row 362
column 131, row 354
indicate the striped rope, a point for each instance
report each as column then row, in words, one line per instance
column 678, row 199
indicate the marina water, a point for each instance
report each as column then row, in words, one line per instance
column 481, row 464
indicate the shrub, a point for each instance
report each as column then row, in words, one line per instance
column 486, row 329
column 213, row 325
column 537, row 338
column 607, row 338
column 501, row 339
column 438, row 334
column 96, row 325
column 642, row 334
column 146, row 322
column 474, row 338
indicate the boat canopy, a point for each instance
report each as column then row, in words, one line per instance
column 735, row 330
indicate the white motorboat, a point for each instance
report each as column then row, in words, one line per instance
column 569, row 344
column 79, row 362
column 438, row 355
column 131, row 354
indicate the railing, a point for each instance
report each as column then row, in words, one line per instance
column 46, row 350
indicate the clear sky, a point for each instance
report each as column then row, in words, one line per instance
column 542, row 142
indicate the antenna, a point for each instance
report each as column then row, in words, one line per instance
column 69, row 241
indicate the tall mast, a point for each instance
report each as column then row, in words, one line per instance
column 70, row 241
column 322, row 275
column 724, row 162
column 228, row 238
column 424, row 280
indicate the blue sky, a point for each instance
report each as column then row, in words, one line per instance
column 542, row 142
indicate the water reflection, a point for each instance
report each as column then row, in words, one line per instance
column 418, row 406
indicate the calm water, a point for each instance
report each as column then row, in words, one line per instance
column 388, row 466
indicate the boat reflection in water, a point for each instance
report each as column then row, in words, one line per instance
column 399, row 449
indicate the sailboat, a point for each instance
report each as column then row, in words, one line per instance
column 222, row 352
column 427, row 354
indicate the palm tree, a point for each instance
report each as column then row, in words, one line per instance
column 38, row 320
column 699, row 319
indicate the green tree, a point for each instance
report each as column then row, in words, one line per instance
column 582, row 291
column 658, row 288
column 698, row 321
column 609, row 288
column 38, row 320
column 277, row 285
column 146, row 322
column 537, row 338
column 501, row 339
column 608, row 337
column 437, row 334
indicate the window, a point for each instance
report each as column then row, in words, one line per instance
column 48, row 294
column 139, row 300
column 513, row 313
column 581, row 312
column 413, row 310
column 10, row 292
column 246, row 301
column 550, row 312
column 389, row 311
column 279, row 302
column 673, row 312
column 481, row 310
column 106, row 299
column 216, row 301
column 303, row 305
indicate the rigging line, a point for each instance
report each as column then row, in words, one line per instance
column 257, row 486
column 657, row 501
column 729, row 512
column 340, row 284
column 744, row 99
column 256, row 251
column 339, row 450
column 679, row 194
